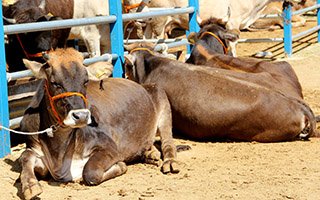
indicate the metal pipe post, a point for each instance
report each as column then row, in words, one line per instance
column 287, row 28
column 318, row 19
column 193, row 24
column 4, row 107
column 116, row 37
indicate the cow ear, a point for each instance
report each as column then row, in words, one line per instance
column 130, row 59
column 99, row 71
column 36, row 68
column 192, row 38
column 230, row 36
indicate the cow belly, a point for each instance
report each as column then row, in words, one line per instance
column 214, row 9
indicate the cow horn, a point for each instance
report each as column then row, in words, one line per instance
column 42, row 4
column 226, row 18
column 10, row 20
column 45, row 56
column 199, row 20
column 128, row 47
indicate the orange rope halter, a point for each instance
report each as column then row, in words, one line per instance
column 28, row 55
column 60, row 96
column 142, row 49
column 225, row 49
column 133, row 6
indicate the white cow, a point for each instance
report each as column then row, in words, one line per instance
column 94, row 36
column 238, row 15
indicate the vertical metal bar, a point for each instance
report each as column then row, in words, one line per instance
column 193, row 24
column 318, row 19
column 4, row 109
column 116, row 36
column 287, row 28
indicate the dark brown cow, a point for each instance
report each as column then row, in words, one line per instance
column 217, row 103
column 95, row 37
column 31, row 45
column 210, row 47
column 122, row 123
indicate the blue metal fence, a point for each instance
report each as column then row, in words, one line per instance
column 287, row 26
column 115, row 20
column 4, row 109
column 288, row 38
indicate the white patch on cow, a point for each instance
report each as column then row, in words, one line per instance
column 303, row 123
column 303, row 126
column 76, row 168
column 71, row 121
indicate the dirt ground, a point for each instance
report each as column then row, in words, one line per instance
column 212, row 170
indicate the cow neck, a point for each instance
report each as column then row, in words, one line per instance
column 60, row 96
column 225, row 49
column 29, row 55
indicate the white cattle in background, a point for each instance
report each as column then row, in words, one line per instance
column 238, row 15
column 95, row 37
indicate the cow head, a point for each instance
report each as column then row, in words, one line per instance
column 65, row 88
column 28, row 45
column 138, row 52
column 213, row 33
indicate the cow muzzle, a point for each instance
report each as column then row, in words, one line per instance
column 78, row 118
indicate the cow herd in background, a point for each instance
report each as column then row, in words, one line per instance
column 99, row 127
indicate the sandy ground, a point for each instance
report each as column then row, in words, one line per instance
column 211, row 170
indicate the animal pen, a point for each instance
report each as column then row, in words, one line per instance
column 115, row 19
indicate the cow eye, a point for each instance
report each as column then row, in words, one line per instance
column 86, row 83
column 56, row 85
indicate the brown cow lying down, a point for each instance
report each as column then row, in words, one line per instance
column 95, row 131
column 221, row 104
column 210, row 49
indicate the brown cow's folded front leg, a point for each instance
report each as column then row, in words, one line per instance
column 30, row 185
column 103, row 165
column 152, row 156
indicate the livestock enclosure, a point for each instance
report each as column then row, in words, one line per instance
column 116, row 26
column 210, row 170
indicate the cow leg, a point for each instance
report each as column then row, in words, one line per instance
column 103, row 165
column 152, row 156
column 91, row 37
column 148, row 32
column 167, row 145
column 164, row 128
column 31, row 164
column 105, row 39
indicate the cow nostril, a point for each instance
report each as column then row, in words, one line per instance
column 75, row 116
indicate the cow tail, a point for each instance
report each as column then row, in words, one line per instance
column 310, row 123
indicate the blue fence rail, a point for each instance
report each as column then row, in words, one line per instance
column 115, row 20
column 287, row 28
column 288, row 38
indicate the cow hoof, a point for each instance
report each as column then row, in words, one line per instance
column 32, row 191
column 153, row 157
column 170, row 166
